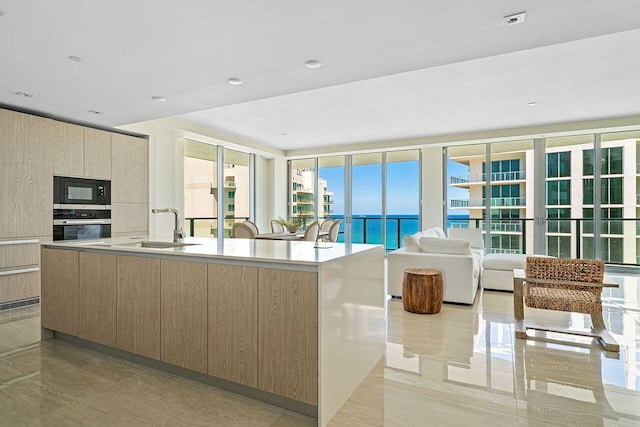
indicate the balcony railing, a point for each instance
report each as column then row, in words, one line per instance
column 495, row 176
column 575, row 236
column 495, row 202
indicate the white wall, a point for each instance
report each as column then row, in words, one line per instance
column 432, row 188
column 166, row 179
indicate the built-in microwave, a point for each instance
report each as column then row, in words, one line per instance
column 81, row 193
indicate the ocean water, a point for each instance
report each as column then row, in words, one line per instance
column 368, row 228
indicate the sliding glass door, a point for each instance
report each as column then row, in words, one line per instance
column 366, row 193
column 200, row 178
column 403, row 196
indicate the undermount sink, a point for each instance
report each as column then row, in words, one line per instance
column 160, row 245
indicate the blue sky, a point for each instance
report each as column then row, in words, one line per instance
column 402, row 188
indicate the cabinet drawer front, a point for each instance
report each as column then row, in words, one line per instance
column 17, row 253
column 17, row 286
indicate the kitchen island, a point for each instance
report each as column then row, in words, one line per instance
column 295, row 324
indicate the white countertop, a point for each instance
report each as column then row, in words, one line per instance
column 278, row 251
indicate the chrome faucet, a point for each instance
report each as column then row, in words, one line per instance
column 178, row 232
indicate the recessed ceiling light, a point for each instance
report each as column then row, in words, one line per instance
column 97, row 113
column 74, row 58
column 312, row 63
column 514, row 19
column 24, row 94
column 235, row 81
column 284, row 134
column 532, row 104
column 158, row 98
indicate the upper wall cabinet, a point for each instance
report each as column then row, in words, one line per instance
column 97, row 153
column 130, row 170
column 68, row 148
column 80, row 151
column 26, row 175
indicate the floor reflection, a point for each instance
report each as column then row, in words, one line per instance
column 464, row 367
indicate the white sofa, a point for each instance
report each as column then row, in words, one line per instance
column 457, row 259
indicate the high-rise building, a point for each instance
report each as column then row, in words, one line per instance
column 569, row 198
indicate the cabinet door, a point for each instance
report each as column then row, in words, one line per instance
column 130, row 169
column 68, row 148
column 59, row 298
column 183, row 314
column 129, row 218
column 26, row 176
column 97, row 153
column 233, row 323
column 288, row 334
column 97, row 298
column 138, row 316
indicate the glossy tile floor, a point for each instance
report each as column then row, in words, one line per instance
column 459, row 367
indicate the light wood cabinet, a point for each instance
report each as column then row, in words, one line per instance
column 19, row 253
column 19, row 285
column 59, row 299
column 68, row 148
column 26, row 175
column 97, row 153
column 129, row 169
column 129, row 218
column 19, row 272
column 138, row 314
column 97, row 298
column 233, row 323
column 183, row 310
column 288, row 334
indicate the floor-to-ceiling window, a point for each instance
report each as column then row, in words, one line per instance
column 351, row 189
column 366, row 189
column 201, row 193
column 302, row 190
column 200, row 177
column 511, row 177
column 236, row 188
column 331, row 179
column 465, row 186
column 403, row 196
column 619, row 201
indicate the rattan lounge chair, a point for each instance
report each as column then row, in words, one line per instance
column 562, row 284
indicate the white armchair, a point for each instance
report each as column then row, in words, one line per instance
column 458, row 262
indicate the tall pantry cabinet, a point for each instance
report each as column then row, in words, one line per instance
column 32, row 150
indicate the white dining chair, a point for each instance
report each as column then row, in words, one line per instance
column 242, row 231
column 326, row 225
column 276, row 227
column 311, row 234
column 252, row 226
column 334, row 231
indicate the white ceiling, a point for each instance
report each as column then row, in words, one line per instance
column 390, row 70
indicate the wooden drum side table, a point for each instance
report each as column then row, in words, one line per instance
column 422, row 290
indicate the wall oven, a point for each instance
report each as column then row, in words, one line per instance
column 74, row 224
column 81, row 193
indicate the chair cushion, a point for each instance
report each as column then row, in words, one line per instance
column 444, row 246
column 504, row 262
column 474, row 235
column 563, row 299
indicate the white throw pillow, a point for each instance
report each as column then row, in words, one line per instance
column 440, row 232
column 473, row 235
column 411, row 244
column 445, row 246
column 412, row 241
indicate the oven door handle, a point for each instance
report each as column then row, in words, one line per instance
column 81, row 221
